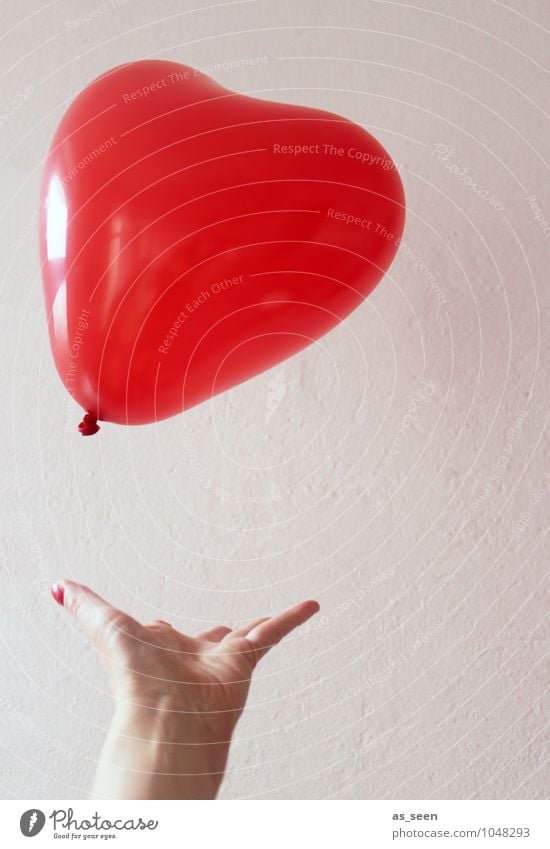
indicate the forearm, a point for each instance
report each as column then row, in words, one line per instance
column 158, row 753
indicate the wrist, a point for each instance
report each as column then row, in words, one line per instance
column 160, row 752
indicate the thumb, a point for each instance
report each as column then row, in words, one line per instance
column 93, row 614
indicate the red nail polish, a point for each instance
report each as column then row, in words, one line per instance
column 58, row 594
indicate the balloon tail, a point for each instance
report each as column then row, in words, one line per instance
column 88, row 426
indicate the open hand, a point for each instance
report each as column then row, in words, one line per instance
column 177, row 697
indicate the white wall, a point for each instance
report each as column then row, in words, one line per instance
column 399, row 471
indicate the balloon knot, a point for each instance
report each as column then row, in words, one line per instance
column 88, row 426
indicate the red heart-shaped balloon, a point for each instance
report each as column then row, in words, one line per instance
column 192, row 237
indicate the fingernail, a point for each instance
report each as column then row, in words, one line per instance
column 58, row 593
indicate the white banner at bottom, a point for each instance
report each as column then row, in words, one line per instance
column 289, row 824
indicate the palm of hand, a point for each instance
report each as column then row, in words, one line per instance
column 208, row 674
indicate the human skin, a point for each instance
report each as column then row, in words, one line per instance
column 177, row 698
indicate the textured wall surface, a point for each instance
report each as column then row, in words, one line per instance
column 398, row 471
